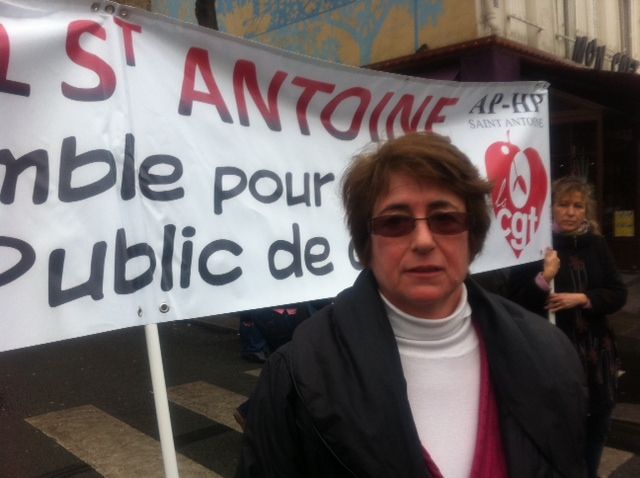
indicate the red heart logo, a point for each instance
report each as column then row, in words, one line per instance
column 519, row 191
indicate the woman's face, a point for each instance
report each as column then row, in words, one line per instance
column 421, row 272
column 569, row 212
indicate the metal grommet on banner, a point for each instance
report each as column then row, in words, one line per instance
column 164, row 307
column 139, row 311
column 95, row 7
column 123, row 13
column 110, row 9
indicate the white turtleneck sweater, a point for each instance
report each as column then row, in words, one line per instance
column 441, row 364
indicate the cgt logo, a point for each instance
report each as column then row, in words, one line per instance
column 519, row 191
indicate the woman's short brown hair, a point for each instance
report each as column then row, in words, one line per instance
column 425, row 157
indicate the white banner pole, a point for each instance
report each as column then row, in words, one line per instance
column 161, row 401
column 552, row 315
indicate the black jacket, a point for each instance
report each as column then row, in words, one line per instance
column 587, row 266
column 333, row 402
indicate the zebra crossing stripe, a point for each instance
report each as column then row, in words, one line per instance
column 215, row 403
column 111, row 447
column 612, row 459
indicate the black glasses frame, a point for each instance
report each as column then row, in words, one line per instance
column 446, row 223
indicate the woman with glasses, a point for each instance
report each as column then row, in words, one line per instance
column 415, row 370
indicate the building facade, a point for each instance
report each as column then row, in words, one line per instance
column 360, row 32
column 588, row 51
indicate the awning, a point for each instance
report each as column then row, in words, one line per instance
column 506, row 60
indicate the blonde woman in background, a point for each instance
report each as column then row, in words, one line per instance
column 587, row 287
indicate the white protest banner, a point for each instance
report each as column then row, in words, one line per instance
column 152, row 170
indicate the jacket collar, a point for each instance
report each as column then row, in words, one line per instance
column 358, row 400
column 527, row 384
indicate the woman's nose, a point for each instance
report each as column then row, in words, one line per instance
column 422, row 235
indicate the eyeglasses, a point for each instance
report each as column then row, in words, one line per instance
column 397, row 225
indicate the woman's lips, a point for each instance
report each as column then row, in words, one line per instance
column 424, row 269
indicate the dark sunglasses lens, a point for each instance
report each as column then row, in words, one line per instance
column 392, row 226
column 448, row 222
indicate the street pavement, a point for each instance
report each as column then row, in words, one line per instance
column 84, row 407
column 624, row 437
